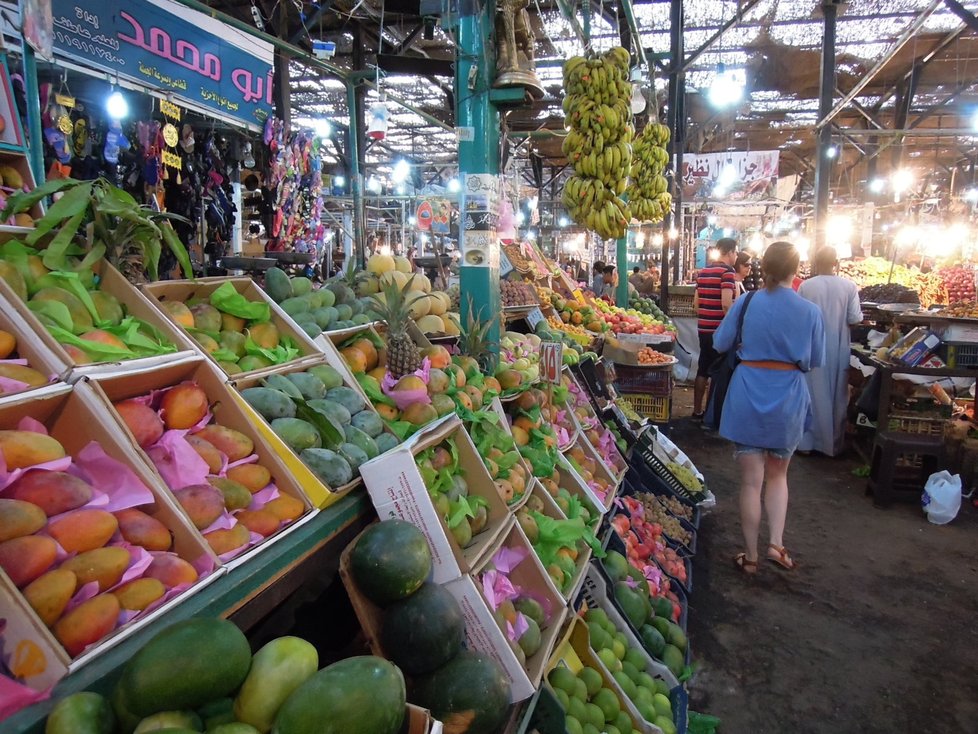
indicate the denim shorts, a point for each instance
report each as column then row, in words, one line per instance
column 742, row 450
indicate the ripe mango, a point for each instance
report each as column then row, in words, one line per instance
column 14, row 279
column 252, row 362
column 233, row 444
column 171, row 570
column 104, row 565
column 81, row 319
column 141, row 529
column 285, row 507
column 26, row 558
column 138, row 594
column 108, row 307
column 22, row 373
column 53, row 491
column 225, row 541
column 236, row 496
column 19, row 518
column 262, row 522
column 144, row 423
column 230, row 322
column 207, row 452
column 84, row 530
column 21, row 449
column 178, row 311
column 254, row 477
column 49, row 594
column 76, row 355
column 206, row 317
column 183, row 406
column 202, row 503
column 89, row 622
column 264, row 335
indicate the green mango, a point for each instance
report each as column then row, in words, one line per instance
column 277, row 669
column 81, row 713
column 331, row 468
column 297, row 434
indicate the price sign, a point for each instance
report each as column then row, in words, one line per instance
column 505, row 268
column 551, row 361
column 534, row 317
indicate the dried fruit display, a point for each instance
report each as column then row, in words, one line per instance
column 877, row 270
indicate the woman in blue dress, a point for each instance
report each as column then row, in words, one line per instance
column 768, row 404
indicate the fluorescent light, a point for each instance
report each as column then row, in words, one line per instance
column 877, row 185
column 339, row 181
column 727, row 89
column 322, row 128
column 453, row 185
column 116, row 106
column 902, row 180
column 563, row 221
column 401, row 171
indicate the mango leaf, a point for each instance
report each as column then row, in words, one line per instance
column 329, row 432
column 53, row 312
column 72, row 283
column 73, row 207
column 228, row 300
column 402, row 429
column 178, row 249
column 55, row 254
column 96, row 253
column 150, row 243
column 22, row 201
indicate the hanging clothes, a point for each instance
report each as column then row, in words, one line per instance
column 838, row 300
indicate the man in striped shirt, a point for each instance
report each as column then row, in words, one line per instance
column 716, row 288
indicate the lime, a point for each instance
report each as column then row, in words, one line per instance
column 623, row 722
column 562, row 679
column 562, row 698
column 608, row 702
column 600, row 640
column 662, row 705
column 631, row 671
column 611, row 729
column 592, row 679
column 590, row 728
column 620, row 636
column 643, row 695
column 576, row 709
column 595, row 716
column 636, row 657
column 665, row 723
column 647, row 710
column 626, row 684
column 580, row 690
column 596, row 615
column 647, row 681
column 618, row 648
column 573, row 726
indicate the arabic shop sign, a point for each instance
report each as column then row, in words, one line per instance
column 730, row 176
column 168, row 47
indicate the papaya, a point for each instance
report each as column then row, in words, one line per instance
column 214, row 660
column 87, row 623
column 81, row 713
column 470, row 694
column 331, row 468
column 277, row 669
column 424, row 631
column 297, row 434
column 19, row 518
column 390, row 561
column 22, row 449
column 278, row 285
column 357, row 694
column 269, row 403
column 53, row 491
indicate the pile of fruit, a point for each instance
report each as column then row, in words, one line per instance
column 598, row 112
column 593, row 474
column 464, row 513
column 15, row 374
column 686, row 477
column 649, row 356
column 576, row 313
column 220, row 687
column 422, row 630
column 645, row 544
column 628, row 665
column 211, row 469
column 648, row 190
column 430, row 310
column 560, row 543
column 579, row 403
column 569, row 333
column 519, row 362
column 603, row 442
column 959, row 283
column 630, row 321
column 876, row 270
column 960, row 311
column 888, row 293
column 327, row 424
column 83, row 569
column 649, row 307
column 588, row 704
column 499, row 453
column 516, row 293
column 334, row 306
column 628, row 410
column 658, row 510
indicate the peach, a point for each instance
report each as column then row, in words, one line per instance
column 84, row 530
column 254, row 477
column 233, row 444
column 138, row 594
column 104, row 565
column 49, row 594
column 26, row 558
column 262, row 522
column 87, row 623
column 183, row 406
column 53, row 491
column 171, row 570
column 141, row 420
column 285, row 507
column 225, row 541
column 19, row 518
column 202, row 503
column 141, row 529
column 21, row 449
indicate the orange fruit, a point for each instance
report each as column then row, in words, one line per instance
column 7, row 344
column 355, row 358
column 387, row 412
column 369, row 352
column 378, row 373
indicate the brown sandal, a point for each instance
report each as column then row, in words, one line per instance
column 782, row 558
column 746, row 567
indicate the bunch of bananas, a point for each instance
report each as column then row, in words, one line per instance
column 599, row 144
column 647, row 190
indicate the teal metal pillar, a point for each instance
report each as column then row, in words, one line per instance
column 478, row 156
column 355, row 177
column 621, row 292
column 35, row 148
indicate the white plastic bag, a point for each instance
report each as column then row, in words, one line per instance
column 942, row 497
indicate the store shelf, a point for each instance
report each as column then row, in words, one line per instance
column 245, row 595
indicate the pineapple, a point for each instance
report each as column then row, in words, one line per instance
column 403, row 357
column 474, row 341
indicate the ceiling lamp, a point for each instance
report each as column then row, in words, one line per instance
column 726, row 90
column 401, row 171
column 116, row 106
column 638, row 97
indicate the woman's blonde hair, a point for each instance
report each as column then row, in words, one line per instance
column 780, row 262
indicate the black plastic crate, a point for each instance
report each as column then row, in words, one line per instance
column 644, row 452
column 959, row 355
column 654, row 381
column 588, row 371
column 642, row 475
column 686, row 549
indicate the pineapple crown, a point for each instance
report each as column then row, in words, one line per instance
column 475, row 341
column 394, row 307
column 352, row 275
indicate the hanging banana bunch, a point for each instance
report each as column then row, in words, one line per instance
column 597, row 105
column 647, row 190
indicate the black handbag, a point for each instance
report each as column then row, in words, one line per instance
column 721, row 372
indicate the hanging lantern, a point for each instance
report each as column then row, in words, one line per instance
column 377, row 121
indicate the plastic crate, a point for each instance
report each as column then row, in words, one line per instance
column 959, row 355
column 916, row 424
column 643, row 452
column 680, row 305
column 654, row 381
column 643, row 481
column 615, row 542
column 686, row 550
column 656, row 409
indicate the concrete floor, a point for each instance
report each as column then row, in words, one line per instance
column 875, row 632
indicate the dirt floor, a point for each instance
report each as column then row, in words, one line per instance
column 874, row 633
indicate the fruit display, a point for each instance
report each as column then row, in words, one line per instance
column 628, row 410
column 665, row 511
column 628, row 665
column 597, row 109
column 328, row 424
column 499, row 453
column 959, row 283
column 648, row 189
column 960, row 311
column 333, row 306
column 888, row 293
column 465, row 514
column 579, row 403
column 422, row 626
column 649, row 307
column 588, row 703
column 515, row 294
column 651, row 357
column 877, row 271
column 536, row 439
column 644, row 542
column 16, row 372
column 221, row 687
column 79, row 536
column 603, row 442
column 686, row 477
column 630, row 321
column 590, row 470
column 430, row 310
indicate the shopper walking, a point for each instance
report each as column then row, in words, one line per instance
column 768, row 405
column 716, row 288
column 838, row 300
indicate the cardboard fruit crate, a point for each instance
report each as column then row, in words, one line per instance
column 111, row 388
column 601, row 471
column 32, row 350
column 133, row 302
column 62, row 414
column 396, row 489
column 185, row 290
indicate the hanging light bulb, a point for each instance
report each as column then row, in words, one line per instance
column 116, row 106
column 322, row 128
column 726, row 89
column 638, row 98
column 401, row 171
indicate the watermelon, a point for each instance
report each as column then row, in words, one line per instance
column 390, row 561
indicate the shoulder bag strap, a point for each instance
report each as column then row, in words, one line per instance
column 740, row 320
